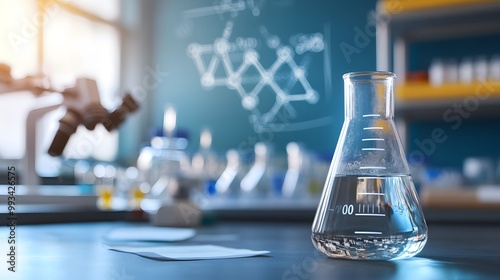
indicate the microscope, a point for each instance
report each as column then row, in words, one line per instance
column 83, row 107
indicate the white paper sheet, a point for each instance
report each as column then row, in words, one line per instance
column 149, row 234
column 189, row 252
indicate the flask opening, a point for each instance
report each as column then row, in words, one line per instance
column 369, row 75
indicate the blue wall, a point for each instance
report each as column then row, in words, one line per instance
column 179, row 23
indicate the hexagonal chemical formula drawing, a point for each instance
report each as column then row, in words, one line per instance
column 218, row 57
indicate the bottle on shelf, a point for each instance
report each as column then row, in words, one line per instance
column 494, row 68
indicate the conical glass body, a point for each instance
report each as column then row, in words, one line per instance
column 369, row 208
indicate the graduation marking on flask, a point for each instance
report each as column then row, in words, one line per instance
column 373, row 139
column 371, row 177
column 373, row 149
column 373, row 167
column 371, row 193
column 366, row 211
column 370, row 214
column 367, row 232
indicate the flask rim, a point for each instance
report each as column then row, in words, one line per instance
column 369, row 75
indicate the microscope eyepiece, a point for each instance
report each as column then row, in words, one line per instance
column 117, row 117
column 67, row 126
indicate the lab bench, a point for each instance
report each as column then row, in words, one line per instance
column 76, row 251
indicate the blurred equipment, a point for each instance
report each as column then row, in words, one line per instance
column 258, row 181
column 205, row 164
column 169, row 201
column 83, row 106
column 466, row 72
column 479, row 171
column 295, row 184
column 29, row 83
column 164, row 160
column 369, row 208
column 228, row 184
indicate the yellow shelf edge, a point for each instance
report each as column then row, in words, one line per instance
column 399, row 6
column 424, row 92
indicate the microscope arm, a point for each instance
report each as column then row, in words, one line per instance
column 44, row 105
column 28, row 83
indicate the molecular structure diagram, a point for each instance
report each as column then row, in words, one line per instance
column 234, row 76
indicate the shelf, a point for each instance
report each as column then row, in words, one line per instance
column 480, row 198
column 419, row 100
column 421, row 91
column 393, row 6
column 480, row 16
column 405, row 21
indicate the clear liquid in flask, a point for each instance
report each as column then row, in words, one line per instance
column 370, row 217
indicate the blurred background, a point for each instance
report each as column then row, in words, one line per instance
column 237, row 105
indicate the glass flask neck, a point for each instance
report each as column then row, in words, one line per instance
column 369, row 94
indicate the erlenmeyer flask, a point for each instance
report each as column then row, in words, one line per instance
column 369, row 208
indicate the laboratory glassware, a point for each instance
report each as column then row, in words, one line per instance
column 297, row 177
column 229, row 181
column 205, row 164
column 257, row 183
column 369, row 208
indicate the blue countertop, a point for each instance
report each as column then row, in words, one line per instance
column 76, row 251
